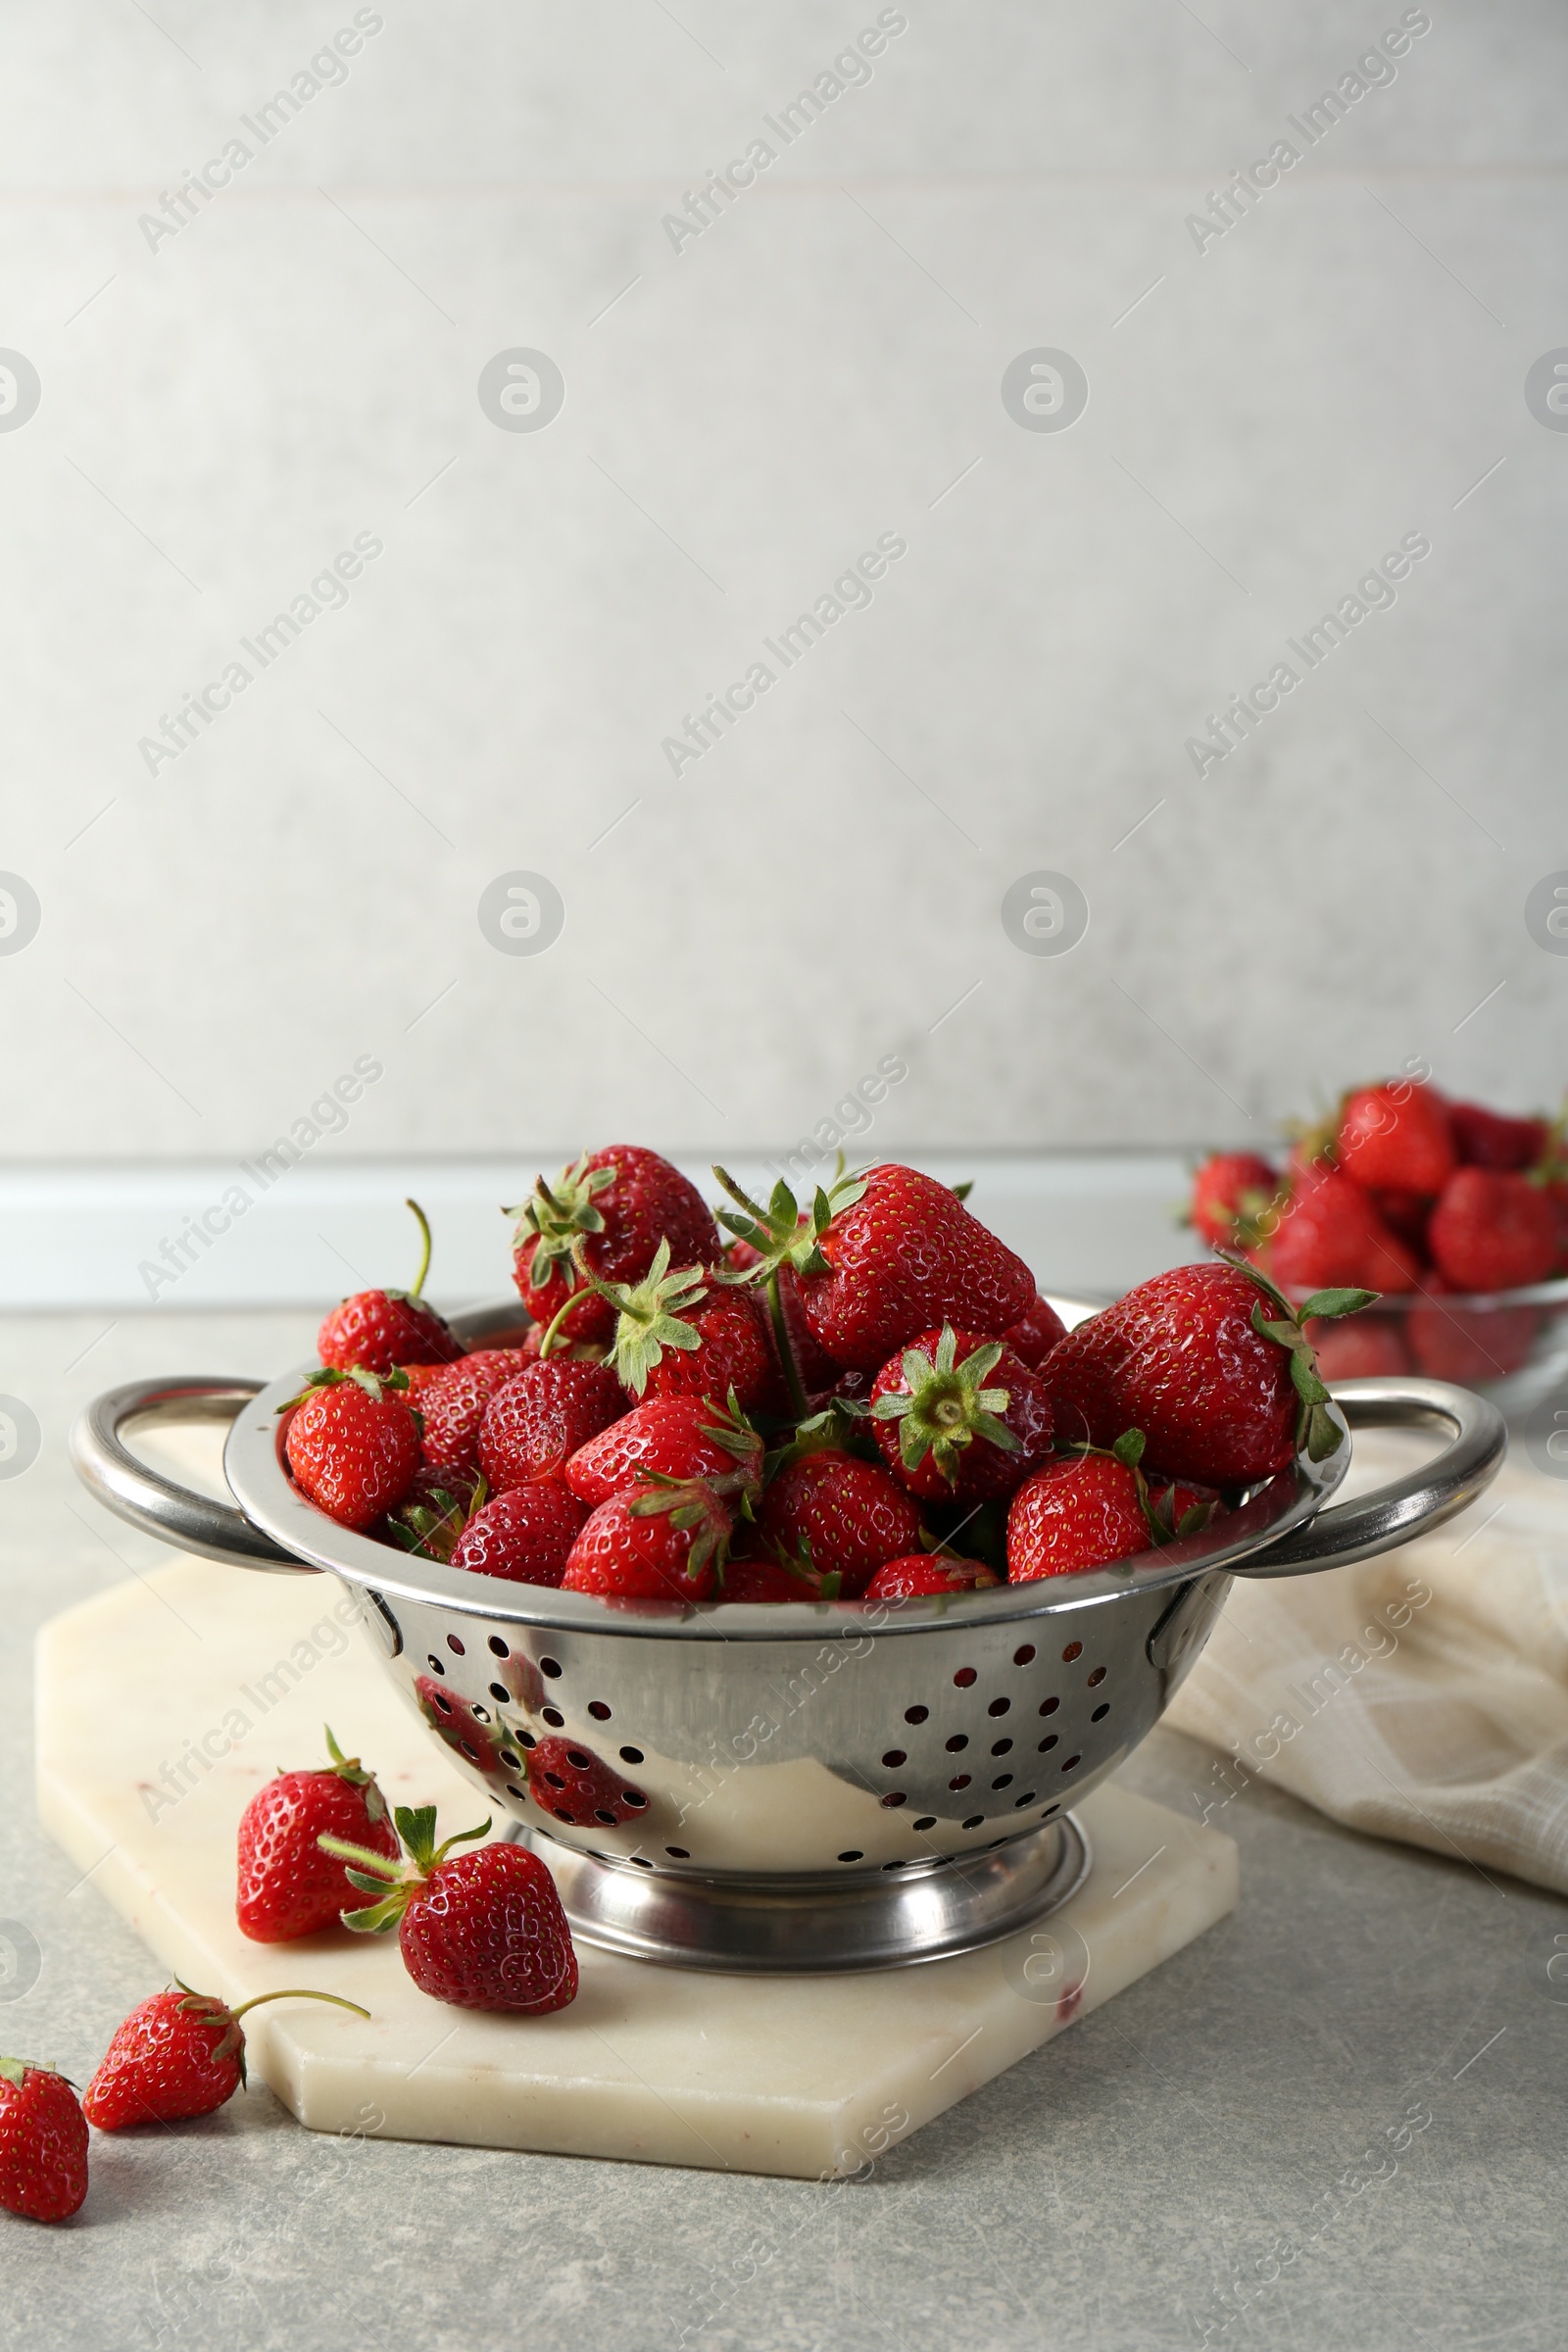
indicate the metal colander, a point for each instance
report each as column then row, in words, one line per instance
column 796, row 1787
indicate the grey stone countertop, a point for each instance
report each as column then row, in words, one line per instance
column 1179, row 2168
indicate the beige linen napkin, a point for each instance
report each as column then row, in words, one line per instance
column 1421, row 1695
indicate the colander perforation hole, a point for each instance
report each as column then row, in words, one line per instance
column 893, row 1758
column 1003, row 1780
column 577, row 1760
column 962, row 1781
column 1024, row 1656
column 500, row 1692
column 894, row 1796
column 1000, row 1706
column 455, row 1644
column 927, row 1820
column 1000, row 1747
column 1101, row 1712
column 915, row 1714
column 608, row 1818
column 598, row 1710
column 1048, row 1743
column 1097, row 1677
column 551, row 1666
column 965, row 1677
column 499, row 1646
column 852, row 1854
column 633, row 1797
column 435, row 1664
column 526, row 1739
column 508, row 1757
column 1071, row 1763
column 466, row 1748
column 679, row 1853
column 1074, row 1649
column 631, row 1755
column 553, row 1717
column 959, row 1740
column 1049, row 1706
column 974, row 1820
column 480, row 1714
column 1021, row 1803
column 442, row 1702
column 641, row 1861
column 555, row 1778
column 1050, row 1809
column 514, row 1790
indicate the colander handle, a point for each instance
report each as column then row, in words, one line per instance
column 111, row 1472
column 1408, row 1506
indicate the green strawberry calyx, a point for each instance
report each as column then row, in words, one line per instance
column 351, row 1769
column 559, row 1218
column 1315, row 1426
column 782, row 1234
column 650, row 1314
column 944, row 1406
column 431, row 1527
column 394, row 1883
column 224, row 2020
column 16, row 2071
column 688, row 1504
column 376, row 1386
column 818, row 1584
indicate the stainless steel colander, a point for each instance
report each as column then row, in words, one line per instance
column 800, row 1787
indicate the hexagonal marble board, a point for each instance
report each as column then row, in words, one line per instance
column 166, row 1702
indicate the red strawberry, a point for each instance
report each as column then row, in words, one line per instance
column 683, row 1333
column 1232, row 1200
column 1036, row 1333
column 420, row 1377
column 527, row 1534
column 1471, row 1343
column 923, row 1571
column 1557, row 1193
column 1493, row 1230
column 650, row 1543
column 452, row 1404
column 1367, row 1346
column 959, row 1418
column 454, row 1721
column 763, row 1578
column 179, row 2054
column 615, row 1207
column 1080, row 1511
column 839, row 1516
column 1330, row 1233
column 1182, row 1508
column 43, row 2143
column 1182, row 1357
column 533, row 1425
column 287, row 1885
column 1406, row 1214
column 1396, row 1136
column 816, row 1368
column 1488, row 1139
column 682, row 1438
column 378, row 1330
column 352, row 1445
column 484, row 1930
column 882, row 1256
column 577, row 1786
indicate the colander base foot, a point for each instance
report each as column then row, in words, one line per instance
column 739, row 1926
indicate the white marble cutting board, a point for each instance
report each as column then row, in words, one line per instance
column 161, row 1710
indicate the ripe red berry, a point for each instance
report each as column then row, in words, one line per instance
column 1488, row 1139
column 924, row 1572
column 1493, row 1230
column 1036, row 1333
column 1232, row 1199
column 43, row 2143
column 613, row 1208
column 682, row 1438
column 287, row 1887
column 525, row 1534
column 379, row 1330
column 537, row 1421
column 839, row 1516
column 176, row 2055
column 352, row 1445
column 1467, row 1344
column 485, row 1930
column 959, row 1418
column 1330, row 1232
column 1080, row 1511
column 650, row 1543
column 1396, row 1136
column 572, row 1784
column 452, row 1404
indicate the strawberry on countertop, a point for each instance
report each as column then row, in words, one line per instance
column 43, row 2143
column 179, row 2054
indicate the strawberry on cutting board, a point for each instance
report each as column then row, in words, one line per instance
column 287, row 1887
column 43, row 2143
column 378, row 1330
column 484, row 1930
column 179, row 2054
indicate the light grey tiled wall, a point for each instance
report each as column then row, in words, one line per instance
column 220, row 416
